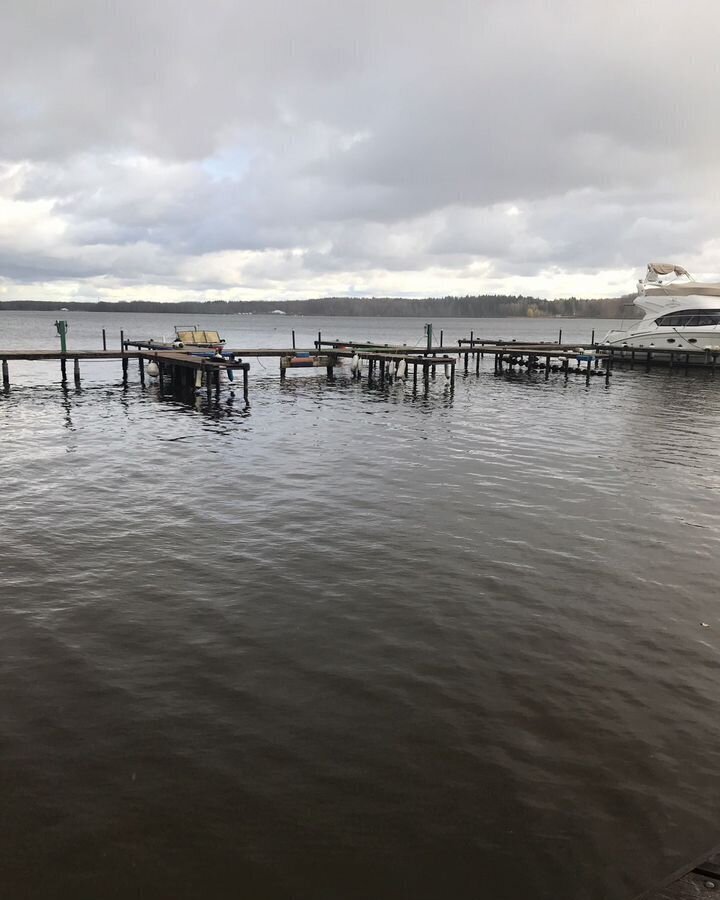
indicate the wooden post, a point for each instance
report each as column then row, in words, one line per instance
column 415, row 376
column 441, row 337
column 76, row 371
column 63, row 370
column 125, row 369
column 122, row 340
column 208, row 384
column 588, row 371
column 283, row 372
column 607, row 370
column 547, row 367
column 452, row 376
column 5, row 376
column 560, row 337
column 319, row 343
column 329, row 369
column 141, row 367
column 566, row 367
column 245, row 382
column 293, row 338
column 382, row 372
column 104, row 340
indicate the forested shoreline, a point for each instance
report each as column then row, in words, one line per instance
column 483, row 306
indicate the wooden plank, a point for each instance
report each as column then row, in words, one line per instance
column 690, row 887
column 710, row 867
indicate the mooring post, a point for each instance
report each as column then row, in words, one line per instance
column 122, row 339
column 329, row 370
column 560, row 336
column 208, row 385
column 592, row 338
column 245, row 382
column 141, row 367
column 607, row 370
column 282, row 365
column 588, row 371
column 382, row 372
column 76, row 370
column 125, row 369
column 63, row 369
column 415, row 376
column 547, row 367
column 566, row 367
column 5, row 375
column 293, row 338
column 319, row 342
column 104, row 340
column 452, row 375
column 441, row 337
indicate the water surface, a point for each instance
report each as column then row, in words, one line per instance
column 351, row 643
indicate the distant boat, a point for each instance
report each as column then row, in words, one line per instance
column 278, row 312
column 64, row 309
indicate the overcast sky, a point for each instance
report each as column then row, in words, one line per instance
column 168, row 149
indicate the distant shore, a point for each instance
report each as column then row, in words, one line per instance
column 472, row 307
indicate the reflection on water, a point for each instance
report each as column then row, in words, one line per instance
column 352, row 642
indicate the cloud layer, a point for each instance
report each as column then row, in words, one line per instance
column 235, row 150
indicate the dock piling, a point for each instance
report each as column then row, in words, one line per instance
column 5, row 376
column 104, row 340
column 76, row 371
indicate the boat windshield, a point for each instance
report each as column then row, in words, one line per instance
column 684, row 317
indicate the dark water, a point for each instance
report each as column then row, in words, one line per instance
column 351, row 644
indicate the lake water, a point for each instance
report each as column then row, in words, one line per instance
column 351, row 643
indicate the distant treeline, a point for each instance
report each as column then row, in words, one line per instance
column 485, row 306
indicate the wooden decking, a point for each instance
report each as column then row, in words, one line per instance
column 701, row 882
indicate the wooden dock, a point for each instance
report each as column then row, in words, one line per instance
column 189, row 368
column 185, row 371
column 700, row 882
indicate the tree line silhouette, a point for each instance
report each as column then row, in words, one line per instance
column 476, row 307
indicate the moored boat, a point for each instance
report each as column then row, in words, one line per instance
column 680, row 313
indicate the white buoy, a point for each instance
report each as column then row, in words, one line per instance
column 401, row 369
column 355, row 365
column 447, row 371
column 153, row 369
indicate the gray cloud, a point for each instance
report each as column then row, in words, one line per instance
column 412, row 147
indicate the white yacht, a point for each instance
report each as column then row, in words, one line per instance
column 680, row 313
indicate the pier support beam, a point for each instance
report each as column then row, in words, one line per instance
column 245, row 384
column 5, row 376
column 63, row 370
column 125, row 369
column 76, row 371
column 141, row 367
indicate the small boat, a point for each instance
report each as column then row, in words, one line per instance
column 192, row 336
column 680, row 313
